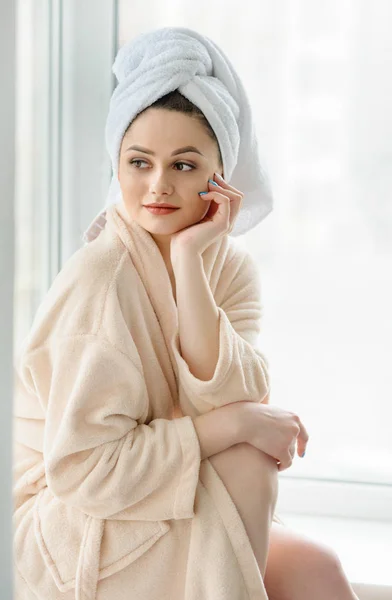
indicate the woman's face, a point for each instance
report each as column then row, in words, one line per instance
column 157, row 172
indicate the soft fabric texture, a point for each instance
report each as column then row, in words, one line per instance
column 160, row 61
column 111, row 498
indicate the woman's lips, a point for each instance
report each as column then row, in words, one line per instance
column 160, row 211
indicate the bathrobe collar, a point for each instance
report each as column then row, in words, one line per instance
column 148, row 262
column 151, row 268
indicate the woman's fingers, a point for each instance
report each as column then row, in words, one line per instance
column 285, row 462
column 231, row 192
column 302, row 438
column 220, row 181
column 225, row 207
column 232, row 196
column 225, row 198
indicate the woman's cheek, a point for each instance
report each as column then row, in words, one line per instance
column 202, row 211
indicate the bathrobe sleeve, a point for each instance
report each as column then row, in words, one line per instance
column 98, row 457
column 241, row 372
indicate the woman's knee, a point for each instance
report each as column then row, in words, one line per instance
column 319, row 557
column 299, row 552
column 298, row 567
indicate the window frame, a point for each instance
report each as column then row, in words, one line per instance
column 83, row 37
column 7, row 261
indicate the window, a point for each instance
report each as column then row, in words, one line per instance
column 32, row 211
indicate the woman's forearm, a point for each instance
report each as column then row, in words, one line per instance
column 198, row 317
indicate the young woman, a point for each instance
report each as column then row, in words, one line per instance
column 146, row 453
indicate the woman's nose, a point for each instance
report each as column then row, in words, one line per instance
column 160, row 182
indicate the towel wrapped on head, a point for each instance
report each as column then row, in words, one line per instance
column 177, row 58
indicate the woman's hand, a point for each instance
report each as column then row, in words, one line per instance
column 275, row 431
column 219, row 220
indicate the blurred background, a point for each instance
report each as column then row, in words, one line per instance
column 319, row 80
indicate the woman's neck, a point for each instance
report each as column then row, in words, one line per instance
column 164, row 248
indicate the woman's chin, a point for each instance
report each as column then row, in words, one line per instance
column 160, row 226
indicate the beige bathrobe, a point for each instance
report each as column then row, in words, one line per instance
column 111, row 498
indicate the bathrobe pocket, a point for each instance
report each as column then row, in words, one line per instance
column 79, row 550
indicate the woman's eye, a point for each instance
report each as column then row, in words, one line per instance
column 191, row 167
column 186, row 164
column 132, row 162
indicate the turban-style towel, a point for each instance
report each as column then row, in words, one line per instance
column 177, row 58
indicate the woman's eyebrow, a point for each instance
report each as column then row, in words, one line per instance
column 179, row 151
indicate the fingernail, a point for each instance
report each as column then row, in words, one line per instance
column 303, row 455
column 213, row 182
column 202, row 193
column 218, row 175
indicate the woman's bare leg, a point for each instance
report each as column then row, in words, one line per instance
column 299, row 568
column 251, row 478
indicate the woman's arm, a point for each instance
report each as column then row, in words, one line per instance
column 223, row 348
column 100, row 455
column 198, row 317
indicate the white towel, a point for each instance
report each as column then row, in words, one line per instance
column 163, row 60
